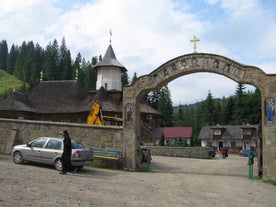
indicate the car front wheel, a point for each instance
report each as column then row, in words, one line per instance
column 58, row 164
column 18, row 158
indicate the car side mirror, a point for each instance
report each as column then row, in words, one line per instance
column 29, row 145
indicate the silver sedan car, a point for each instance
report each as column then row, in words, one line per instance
column 48, row 150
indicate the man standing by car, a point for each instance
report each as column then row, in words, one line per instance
column 66, row 155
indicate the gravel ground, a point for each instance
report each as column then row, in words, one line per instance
column 171, row 182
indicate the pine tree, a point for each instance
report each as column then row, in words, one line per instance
column 20, row 61
column 134, row 78
column 229, row 111
column 165, row 108
column 125, row 78
column 209, row 110
column 51, row 61
column 3, row 55
column 162, row 140
column 179, row 119
column 65, row 68
column 240, row 116
column 153, row 99
column 36, row 64
column 12, row 59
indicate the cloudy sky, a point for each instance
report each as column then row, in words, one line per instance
column 148, row 33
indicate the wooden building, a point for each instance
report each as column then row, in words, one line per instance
column 65, row 100
column 234, row 137
column 173, row 133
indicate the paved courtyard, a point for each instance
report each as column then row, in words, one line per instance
column 171, row 182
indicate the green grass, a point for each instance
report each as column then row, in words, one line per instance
column 272, row 182
column 260, row 178
column 8, row 83
column 4, row 153
column 145, row 167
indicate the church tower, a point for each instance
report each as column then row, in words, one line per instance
column 109, row 72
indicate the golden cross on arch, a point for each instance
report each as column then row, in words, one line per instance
column 194, row 40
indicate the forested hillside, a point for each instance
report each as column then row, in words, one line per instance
column 240, row 108
column 25, row 62
column 9, row 83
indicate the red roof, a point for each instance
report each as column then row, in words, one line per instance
column 173, row 132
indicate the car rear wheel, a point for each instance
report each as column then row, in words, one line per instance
column 58, row 164
column 18, row 158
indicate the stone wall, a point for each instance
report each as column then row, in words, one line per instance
column 23, row 131
column 188, row 152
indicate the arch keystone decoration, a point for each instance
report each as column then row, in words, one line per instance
column 194, row 63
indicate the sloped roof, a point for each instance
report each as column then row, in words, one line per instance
column 49, row 97
column 173, row 132
column 146, row 109
column 16, row 101
column 230, row 131
column 63, row 97
column 109, row 59
column 218, row 126
column 58, row 97
column 108, row 104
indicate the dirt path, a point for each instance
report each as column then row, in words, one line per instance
column 171, row 182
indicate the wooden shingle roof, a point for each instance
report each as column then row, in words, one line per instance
column 109, row 59
column 62, row 97
column 229, row 132
column 58, row 97
column 49, row 97
column 16, row 101
column 108, row 104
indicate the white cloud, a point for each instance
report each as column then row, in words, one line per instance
column 147, row 34
column 240, row 9
column 26, row 20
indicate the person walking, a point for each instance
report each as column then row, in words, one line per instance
column 223, row 151
column 250, row 156
column 67, row 151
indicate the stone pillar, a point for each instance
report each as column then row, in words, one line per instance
column 269, row 129
column 131, row 130
column 12, row 140
column 269, row 152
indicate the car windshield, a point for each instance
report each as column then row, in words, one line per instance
column 76, row 145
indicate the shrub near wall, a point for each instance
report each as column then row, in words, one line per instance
column 188, row 152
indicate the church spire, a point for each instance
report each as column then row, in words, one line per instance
column 109, row 59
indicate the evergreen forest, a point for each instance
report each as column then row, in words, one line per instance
column 25, row 62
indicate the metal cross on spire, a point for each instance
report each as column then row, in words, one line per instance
column 194, row 40
column 110, row 33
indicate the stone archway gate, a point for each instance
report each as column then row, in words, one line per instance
column 193, row 63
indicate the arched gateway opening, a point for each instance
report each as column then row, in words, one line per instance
column 193, row 63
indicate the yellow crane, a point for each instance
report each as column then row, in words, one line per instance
column 95, row 115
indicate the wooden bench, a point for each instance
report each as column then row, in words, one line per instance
column 108, row 155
